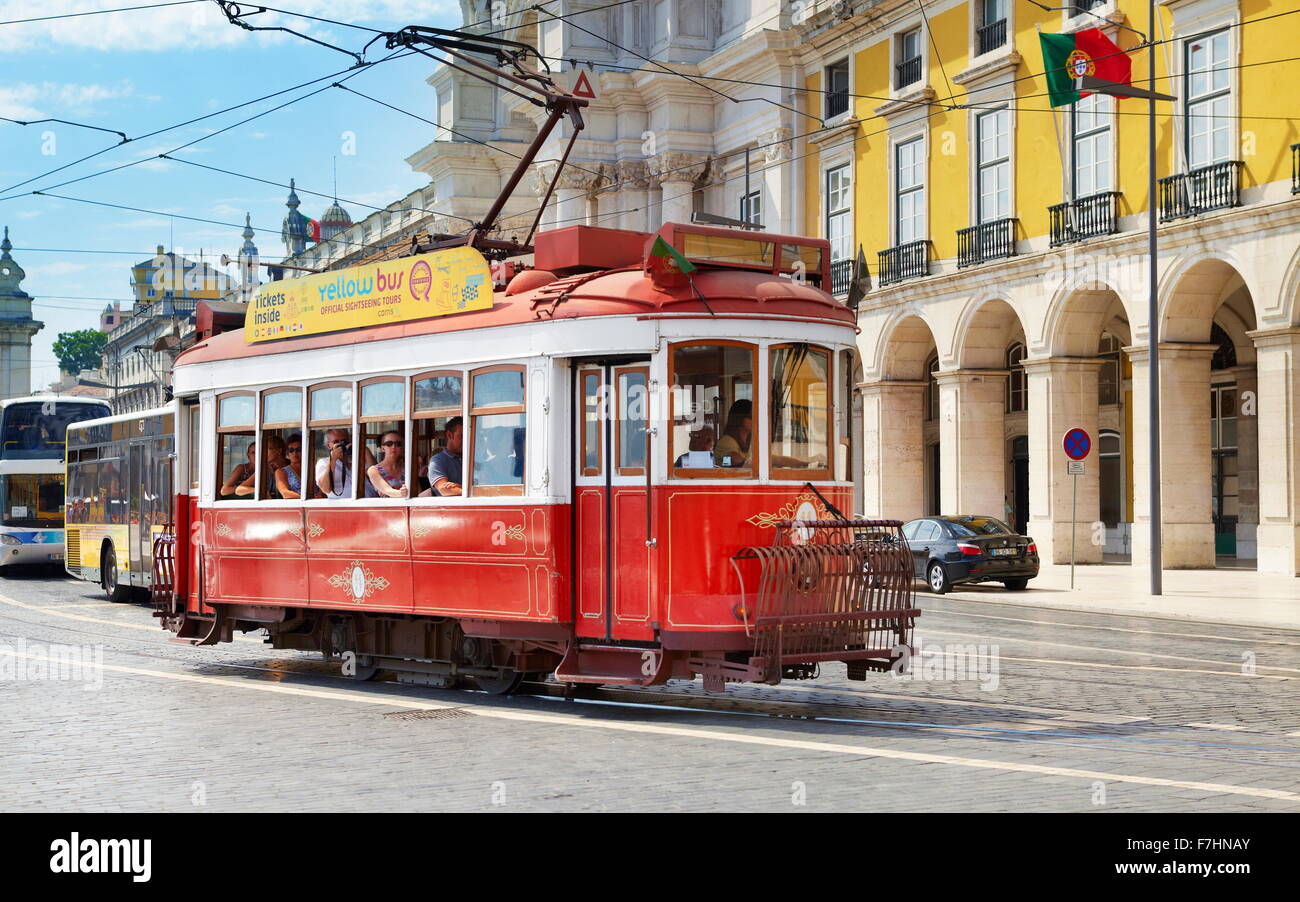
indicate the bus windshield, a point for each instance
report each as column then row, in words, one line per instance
column 32, row 500
column 35, row 430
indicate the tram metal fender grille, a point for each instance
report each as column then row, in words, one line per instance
column 832, row 590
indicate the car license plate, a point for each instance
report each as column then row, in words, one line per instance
column 54, row 557
column 1003, row 552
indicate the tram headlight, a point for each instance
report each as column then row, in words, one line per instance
column 7, row 539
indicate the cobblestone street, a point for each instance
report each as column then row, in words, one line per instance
column 1006, row 708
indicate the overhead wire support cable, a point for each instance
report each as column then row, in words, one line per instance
column 235, row 14
column 99, row 12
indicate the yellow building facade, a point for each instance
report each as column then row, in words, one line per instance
column 1006, row 244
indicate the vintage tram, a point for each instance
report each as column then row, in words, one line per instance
column 654, row 453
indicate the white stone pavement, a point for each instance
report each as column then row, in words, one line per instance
column 1223, row 595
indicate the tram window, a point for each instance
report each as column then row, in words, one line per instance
column 800, row 412
column 383, row 435
column 194, row 446
column 593, row 424
column 329, row 428
column 633, row 409
column 498, row 431
column 438, row 398
column 282, row 430
column 712, row 409
column 235, row 459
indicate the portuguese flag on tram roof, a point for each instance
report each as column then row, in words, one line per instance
column 1088, row 52
column 664, row 255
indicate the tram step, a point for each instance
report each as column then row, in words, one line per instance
column 613, row 665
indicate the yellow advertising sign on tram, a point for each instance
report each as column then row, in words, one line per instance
column 394, row 291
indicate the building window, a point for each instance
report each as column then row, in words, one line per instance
column 751, row 207
column 1111, row 463
column 837, row 88
column 1108, row 379
column 908, row 69
column 839, row 217
column 932, row 389
column 1090, row 121
column 1017, row 389
column 991, row 32
column 1208, row 100
column 909, row 187
column 993, row 165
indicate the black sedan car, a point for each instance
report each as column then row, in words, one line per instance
column 970, row 549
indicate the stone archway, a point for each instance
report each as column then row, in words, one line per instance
column 895, row 420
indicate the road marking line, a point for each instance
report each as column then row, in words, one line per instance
column 156, row 630
column 713, row 734
column 1114, row 629
column 1149, row 667
column 1118, row 651
column 1217, row 726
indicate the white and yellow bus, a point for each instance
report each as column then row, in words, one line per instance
column 119, row 498
column 32, row 431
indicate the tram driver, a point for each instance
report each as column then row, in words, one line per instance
column 446, row 467
column 334, row 473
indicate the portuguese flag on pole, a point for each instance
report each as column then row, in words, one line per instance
column 1089, row 52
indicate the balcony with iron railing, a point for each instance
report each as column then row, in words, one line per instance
column 841, row 277
column 1079, row 7
column 1084, row 217
column 1213, row 187
column 906, row 261
column 991, row 36
column 978, row 244
column 907, row 72
column 1295, row 168
column 837, row 102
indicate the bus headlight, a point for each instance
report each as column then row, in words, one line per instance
column 7, row 539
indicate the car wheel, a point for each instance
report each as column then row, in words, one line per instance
column 108, row 578
column 1016, row 585
column 937, row 577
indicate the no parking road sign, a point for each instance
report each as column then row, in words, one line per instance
column 1077, row 443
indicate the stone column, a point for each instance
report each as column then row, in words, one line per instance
column 779, row 206
column 1278, row 372
column 571, row 193
column 1187, row 514
column 972, row 478
column 893, row 449
column 678, row 175
column 1062, row 396
column 1247, row 459
column 633, row 196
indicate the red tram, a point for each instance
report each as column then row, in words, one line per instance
column 654, row 440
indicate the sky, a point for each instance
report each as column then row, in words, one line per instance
column 143, row 70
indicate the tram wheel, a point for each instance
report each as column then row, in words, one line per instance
column 503, row 684
column 108, row 578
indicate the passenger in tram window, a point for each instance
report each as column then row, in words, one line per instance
column 334, row 473
column 446, row 467
column 274, row 457
column 238, row 475
column 388, row 477
column 732, row 450
column 288, row 479
column 700, row 454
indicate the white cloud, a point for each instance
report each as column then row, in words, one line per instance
column 201, row 26
column 30, row 100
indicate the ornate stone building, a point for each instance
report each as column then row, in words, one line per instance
column 16, row 326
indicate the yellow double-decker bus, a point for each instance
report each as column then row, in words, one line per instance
column 119, row 497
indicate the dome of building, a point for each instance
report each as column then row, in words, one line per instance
column 335, row 219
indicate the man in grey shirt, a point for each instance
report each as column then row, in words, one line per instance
column 446, row 466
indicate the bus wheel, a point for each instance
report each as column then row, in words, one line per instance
column 108, row 577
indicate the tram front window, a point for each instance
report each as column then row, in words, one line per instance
column 712, row 405
column 800, row 424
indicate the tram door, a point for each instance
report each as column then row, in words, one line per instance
column 612, row 577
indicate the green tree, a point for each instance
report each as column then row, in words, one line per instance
column 80, row 350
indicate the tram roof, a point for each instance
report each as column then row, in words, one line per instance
column 627, row 291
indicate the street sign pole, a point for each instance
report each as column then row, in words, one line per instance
column 1076, row 444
